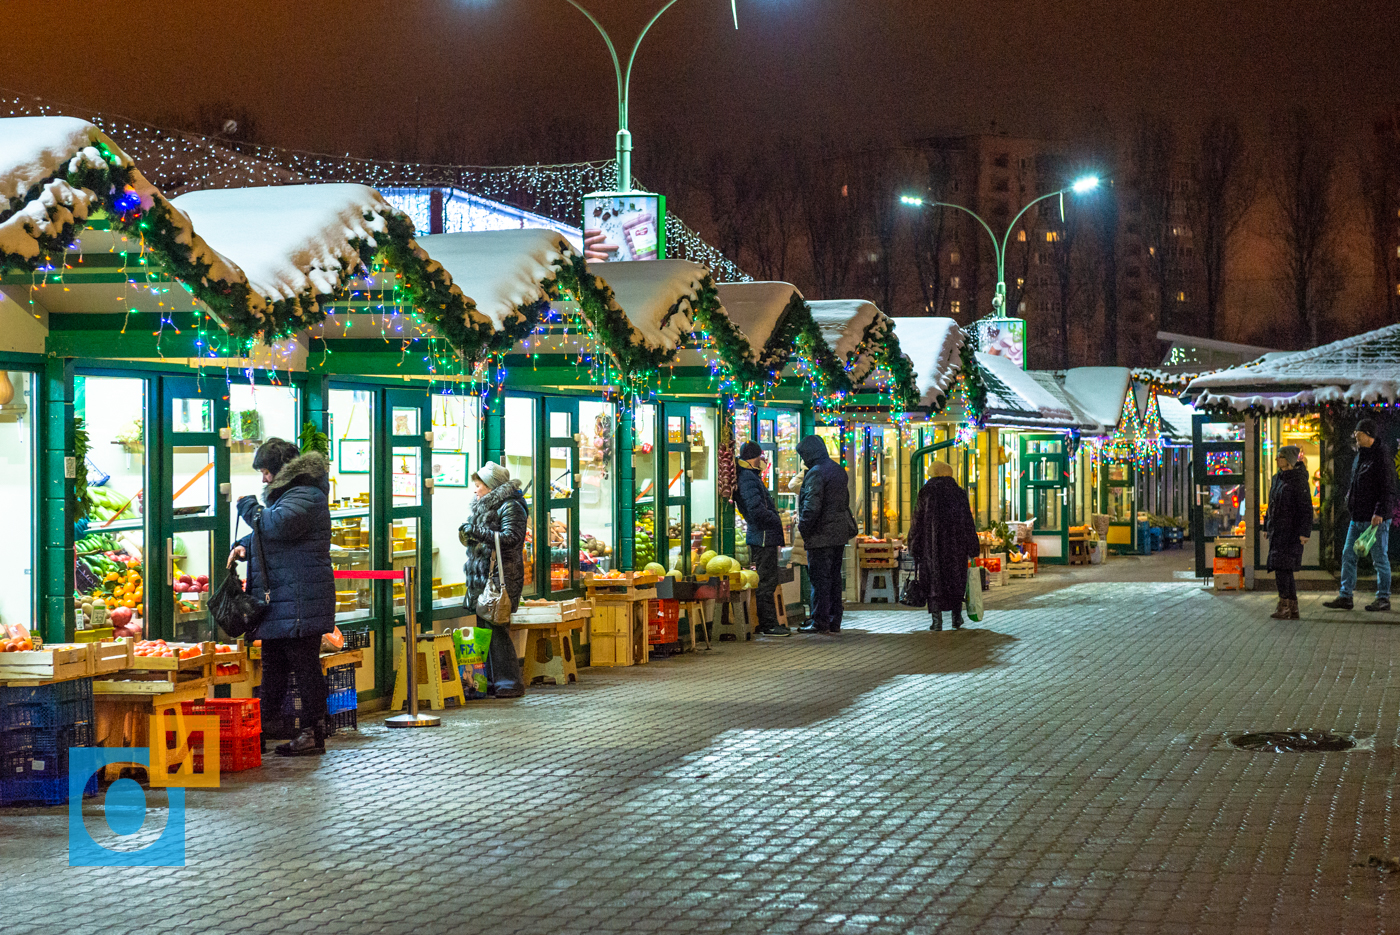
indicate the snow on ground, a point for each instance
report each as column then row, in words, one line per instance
column 647, row 290
column 757, row 308
column 932, row 346
column 500, row 270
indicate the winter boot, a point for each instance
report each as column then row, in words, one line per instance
column 310, row 742
column 937, row 623
column 1281, row 611
column 1293, row 608
column 957, row 618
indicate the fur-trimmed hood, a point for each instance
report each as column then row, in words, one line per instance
column 307, row 470
column 492, row 500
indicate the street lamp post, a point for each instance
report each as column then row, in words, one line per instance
column 1079, row 186
column 624, row 81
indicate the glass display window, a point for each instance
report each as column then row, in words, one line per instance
column 256, row 414
column 788, row 434
column 597, row 530
column 520, row 462
column 403, row 552
column 704, row 495
column 109, row 571
column 351, row 420
column 192, row 561
column 17, row 465
column 644, row 487
column 455, row 453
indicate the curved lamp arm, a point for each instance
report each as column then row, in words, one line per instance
column 617, row 65
column 1017, row 219
column 638, row 44
column 996, row 244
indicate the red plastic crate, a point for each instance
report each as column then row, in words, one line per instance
column 238, row 717
column 663, row 621
column 235, row 755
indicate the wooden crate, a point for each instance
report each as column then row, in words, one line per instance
column 55, row 663
column 618, row 634
column 633, row 585
column 1021, row 569
column 878, row 554
column 112, row 657
column 533, row 612
column 152, row 683
column 159, row 664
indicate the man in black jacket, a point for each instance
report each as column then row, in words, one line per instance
column 1370, row 498
column 764, row 535
column 825, row 520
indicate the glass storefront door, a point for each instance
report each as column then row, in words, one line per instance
column 563, row 477
column 1217, row 469
column 1045, row 494
column 1118, row 495
column 18, row 465
column 410, row 541
column 676, row 429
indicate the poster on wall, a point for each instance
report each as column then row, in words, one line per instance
column 1003, row 337
column 618, row 226
column 449, row 469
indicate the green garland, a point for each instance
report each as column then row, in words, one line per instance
column 974, row 389
column 610, row 324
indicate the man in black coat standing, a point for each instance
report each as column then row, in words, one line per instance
column 825, row 520
column 764, row 534
column 1370, row 498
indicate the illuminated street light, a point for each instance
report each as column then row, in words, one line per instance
column 1079, row 186
column 624, row 81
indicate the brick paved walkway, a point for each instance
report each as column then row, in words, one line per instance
column 1057, row 770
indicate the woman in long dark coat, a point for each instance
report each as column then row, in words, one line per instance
column 499, row 508
column 942, row 537
column 1288, row 525
column 295, row 533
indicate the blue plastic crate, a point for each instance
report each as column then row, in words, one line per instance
column 346, row 720
column 30, row 751
column 343, row 700
column 45, row 715
column 54, row 693
column 49, row 792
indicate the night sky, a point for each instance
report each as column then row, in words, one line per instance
column 344, row 76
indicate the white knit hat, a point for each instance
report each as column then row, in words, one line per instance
column 492, row 475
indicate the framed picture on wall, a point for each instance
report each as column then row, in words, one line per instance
column 450, row 468
column 353, row 456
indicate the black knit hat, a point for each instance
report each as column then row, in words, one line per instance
column 750, row 451
column 273, row 454
column 1368, row 426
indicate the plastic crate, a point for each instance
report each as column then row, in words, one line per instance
column 42, row 754
column 356, row 639
column 53, row 693
column 238, row 717
column 46, row 707
column 47, row 792
column 235, row 755
column 340, row 678
column 343, row 700
column 663, row 620
column 348, row 719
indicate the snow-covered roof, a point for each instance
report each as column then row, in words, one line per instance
column 1051, row 383
column 1176, row 416
column 757, row 308
column 933, row 346
column 1014, row 397
column 1361, row 369
column 501, row 270
column 656, row 295
column 843, row 323
column 290, row 240
column 33, row 149
column 1099, row 392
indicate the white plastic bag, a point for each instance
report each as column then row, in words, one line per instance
column 974, row 594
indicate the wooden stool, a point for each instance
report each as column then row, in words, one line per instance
column 433, row 692
column 782, row 606
column 694, row 613
column 549, row 651
column 879, row 586
column 727, row 614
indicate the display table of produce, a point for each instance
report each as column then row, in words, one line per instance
column 58, row 662
column 159, row 678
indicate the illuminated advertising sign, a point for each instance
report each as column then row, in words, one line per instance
column 624, row 226
column 1004, row 337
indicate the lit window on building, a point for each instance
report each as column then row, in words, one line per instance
column 955, row 257
column 957, row 282
column 955, row 307
column 1052, row 236
column 1181, row 296
column 1021, row 236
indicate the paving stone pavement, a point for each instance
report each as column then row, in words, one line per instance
column 1056, row 769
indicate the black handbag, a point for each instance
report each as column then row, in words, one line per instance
column 913, row 593
column 235, row 610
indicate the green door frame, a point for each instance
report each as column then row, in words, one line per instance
column 1202, row 480
column 669, row 411
column 563, row 409
column 1048, row 471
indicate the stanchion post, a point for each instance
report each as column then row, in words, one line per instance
column 410, row 657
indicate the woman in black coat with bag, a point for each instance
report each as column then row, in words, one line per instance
column 499, row 508
column 1288, row 525
column 942, row 537
column 294, row 535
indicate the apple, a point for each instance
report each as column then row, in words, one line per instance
column 202, row 579
column 120, row 616
column 182, row 586
column 186, row 579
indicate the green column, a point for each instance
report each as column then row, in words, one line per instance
column 494, row 426
column 624, row 479
column 55, row 504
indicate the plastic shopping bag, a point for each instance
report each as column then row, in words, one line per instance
column 1365, row 541
column 974, row 594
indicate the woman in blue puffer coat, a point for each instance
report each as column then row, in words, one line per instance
column 295, row 528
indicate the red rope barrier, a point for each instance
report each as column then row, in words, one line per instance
column 395, row 575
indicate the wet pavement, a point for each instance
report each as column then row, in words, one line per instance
column 1061, row 767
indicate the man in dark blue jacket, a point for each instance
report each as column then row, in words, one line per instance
column 764, row 535
column 1370, row 499
column 825, row 520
